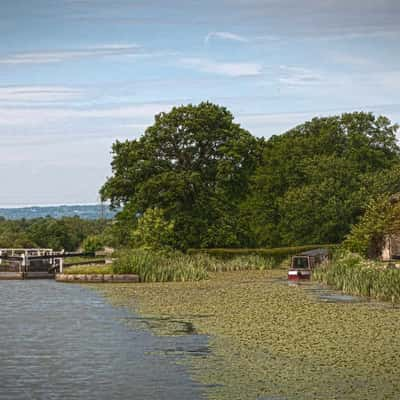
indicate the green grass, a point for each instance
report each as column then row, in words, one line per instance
column 88, row 270
column 355, row 275
column 76, row 260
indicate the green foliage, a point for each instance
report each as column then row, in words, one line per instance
column 355, row 275
column 277, row 255
column 153, row 231
column 366, row 237
column 92, row 244
column 194, row 163
column 381, row 217
column 224, row 188
column 65, row 233
column 315, row 180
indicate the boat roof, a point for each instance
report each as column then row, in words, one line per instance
column 315, row 252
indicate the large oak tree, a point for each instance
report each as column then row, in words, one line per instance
column 194, row 163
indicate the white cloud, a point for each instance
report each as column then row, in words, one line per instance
column 20, row 94
column 44, row 116
column 298, row 76
column 225, row 36
column 352, row 59
column 232, row 69
column 288, row 119
column 45, row 57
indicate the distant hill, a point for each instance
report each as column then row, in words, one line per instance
column 93, row 211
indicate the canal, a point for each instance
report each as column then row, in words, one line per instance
column 61, row 341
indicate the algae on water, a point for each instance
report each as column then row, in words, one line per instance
column 271, row 340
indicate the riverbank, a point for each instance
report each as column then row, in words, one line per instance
column 270, row 339
column 353, row 274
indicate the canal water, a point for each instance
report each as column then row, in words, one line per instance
column 60, row 341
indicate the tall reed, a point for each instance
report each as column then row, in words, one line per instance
column 154, row 266
column 355, row 275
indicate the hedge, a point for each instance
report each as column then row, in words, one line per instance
column 277, row 252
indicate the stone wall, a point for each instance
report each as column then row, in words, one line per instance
column 97, row 278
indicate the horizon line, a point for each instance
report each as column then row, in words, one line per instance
column 14, row 206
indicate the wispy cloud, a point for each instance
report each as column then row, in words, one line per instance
column 352, row 59
column 57, row 56
column 47, row 116
column 225, row 36
column 298, row 76
column 37, row 94
column 232, row 69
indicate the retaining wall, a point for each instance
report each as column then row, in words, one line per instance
column 97, row 278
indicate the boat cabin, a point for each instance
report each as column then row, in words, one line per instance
column 303, row 263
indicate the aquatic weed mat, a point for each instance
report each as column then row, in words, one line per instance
column 274, row 341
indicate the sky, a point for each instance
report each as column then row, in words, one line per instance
column 76, row 75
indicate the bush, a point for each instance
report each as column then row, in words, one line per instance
column 153, row 231
column 92, row 244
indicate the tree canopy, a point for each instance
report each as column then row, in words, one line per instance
column 194, row 163
column 222, row 187
column 65, row 233
column 314, row 181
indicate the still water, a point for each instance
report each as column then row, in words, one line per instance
column 60, row 341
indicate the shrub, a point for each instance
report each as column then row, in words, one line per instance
column 153, row 231
column 92, row 244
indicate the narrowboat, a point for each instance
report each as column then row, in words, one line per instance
column 303, row 264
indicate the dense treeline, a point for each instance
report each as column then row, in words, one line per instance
column 216, row 185
column 314, row 181
column 66, row 233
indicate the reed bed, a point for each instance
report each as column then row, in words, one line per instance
column 355, row 275
column 154, row 266
column 173, row 266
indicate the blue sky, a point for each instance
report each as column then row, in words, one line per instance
column 75, row 75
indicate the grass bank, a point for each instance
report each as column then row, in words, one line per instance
column 274, row 341
column 355, row 275
column 88, row 270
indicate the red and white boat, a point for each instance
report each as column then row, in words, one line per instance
column 303, row 264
